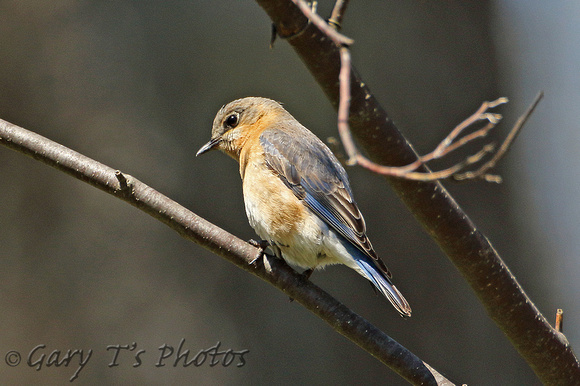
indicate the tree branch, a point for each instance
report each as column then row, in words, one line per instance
column 337, row 14
column 194, row 228
column 449, row 144
column 505, row 146
column 545, row 350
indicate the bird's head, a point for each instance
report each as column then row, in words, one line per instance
column 238, row 121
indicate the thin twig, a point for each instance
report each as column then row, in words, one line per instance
column 482, row 171
column 559, row 324
column 446, row 146
column 449, row 144
column 480, row 115
column 344, row 108
column 338, row 38
column 337, row 14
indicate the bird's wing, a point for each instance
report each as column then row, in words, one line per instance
column 306, row 165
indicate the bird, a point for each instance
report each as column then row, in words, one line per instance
column 297, row 195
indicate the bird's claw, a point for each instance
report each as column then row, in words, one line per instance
column 262, row 244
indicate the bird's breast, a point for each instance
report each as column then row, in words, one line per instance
column 272, row 209
column 278, row 216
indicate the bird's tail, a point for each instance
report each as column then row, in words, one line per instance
column 385, row 286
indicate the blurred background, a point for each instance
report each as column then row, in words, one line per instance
column 136, row 84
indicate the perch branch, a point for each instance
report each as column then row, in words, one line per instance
column 233, row 249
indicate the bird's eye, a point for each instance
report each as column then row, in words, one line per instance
column 232, row 120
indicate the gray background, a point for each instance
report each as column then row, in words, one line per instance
column 136, row 84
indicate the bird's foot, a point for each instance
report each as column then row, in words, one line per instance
column 263, row 245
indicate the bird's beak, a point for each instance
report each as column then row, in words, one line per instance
column 208, row 146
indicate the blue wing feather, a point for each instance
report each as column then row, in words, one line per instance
column 308, row 167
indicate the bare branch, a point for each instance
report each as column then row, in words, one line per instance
column 482, row 171
column 344, row 108
column 449, row 144
column 559, row 324
column 337, row 14
column 338, row 38
column 446, row 146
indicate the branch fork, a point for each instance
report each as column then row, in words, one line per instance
column 450, row 143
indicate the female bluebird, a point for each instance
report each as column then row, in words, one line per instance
column 296, row 193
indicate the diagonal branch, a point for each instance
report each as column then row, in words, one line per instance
column 544, row 349
column 196, row 229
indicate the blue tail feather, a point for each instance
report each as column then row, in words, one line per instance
column 384, row 285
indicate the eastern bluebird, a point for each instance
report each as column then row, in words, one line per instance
column 296, row 193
